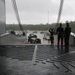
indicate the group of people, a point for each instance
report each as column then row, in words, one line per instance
column 63, row 34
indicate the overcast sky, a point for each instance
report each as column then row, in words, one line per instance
column 36, row 11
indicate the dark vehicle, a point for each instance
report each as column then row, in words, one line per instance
column 12, row 32
column 32, row 38
column 38, row 41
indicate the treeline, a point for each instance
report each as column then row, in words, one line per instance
column 38, row 26
column 29, row 27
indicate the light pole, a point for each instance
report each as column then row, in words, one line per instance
column 48, row 17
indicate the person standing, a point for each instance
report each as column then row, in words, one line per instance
column 67, row 35
column 60, row 34
column 51, row 35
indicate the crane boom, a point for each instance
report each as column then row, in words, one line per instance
column 17, row 14
column 59, row 13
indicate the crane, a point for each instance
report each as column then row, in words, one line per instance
column 18, row 18
column 17, row 15
column 59, row 13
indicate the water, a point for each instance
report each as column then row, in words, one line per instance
column 40, row 35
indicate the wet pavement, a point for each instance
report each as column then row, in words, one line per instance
column 36, row 60
column 19, row 58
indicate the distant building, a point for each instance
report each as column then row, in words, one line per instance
column 2, row 17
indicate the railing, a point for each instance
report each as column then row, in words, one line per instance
column 72, row 34
column 2, row 35
column 72, row 39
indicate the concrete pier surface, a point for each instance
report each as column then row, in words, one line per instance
column 36, row 60
column 19, row 58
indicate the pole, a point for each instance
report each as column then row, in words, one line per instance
column 48, row 17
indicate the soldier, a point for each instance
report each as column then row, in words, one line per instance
column 67, row 35
column 60, row 33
